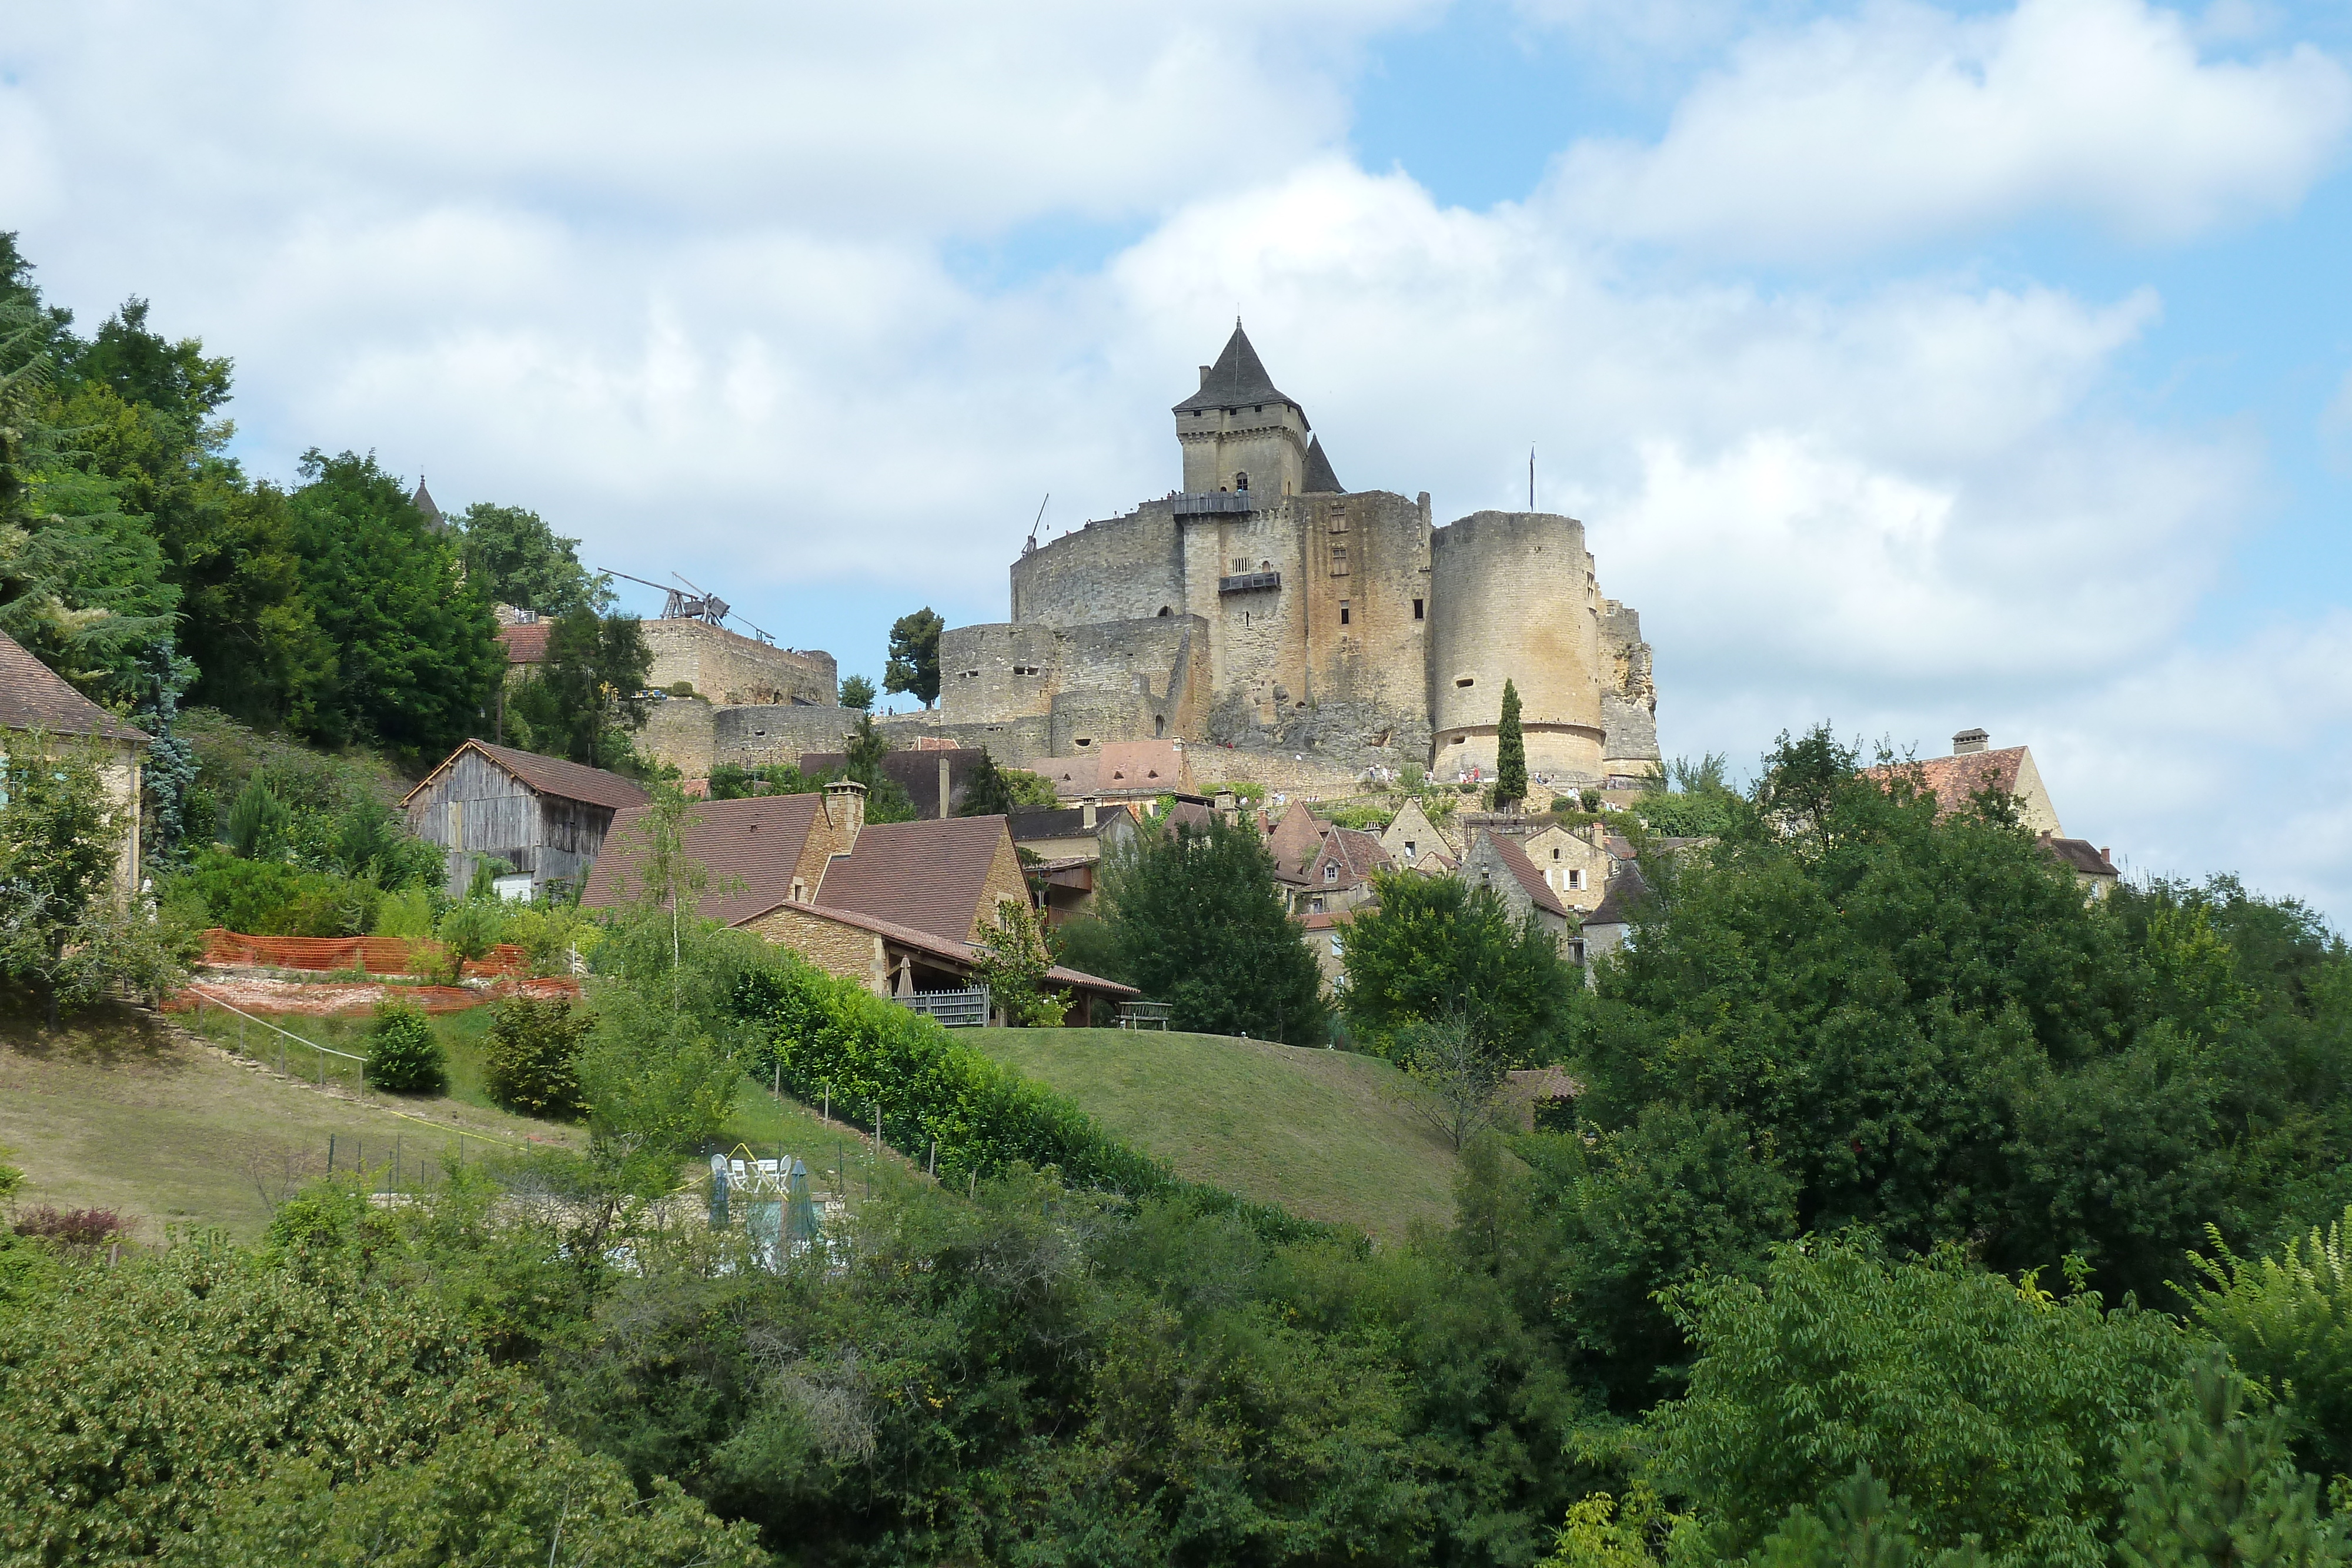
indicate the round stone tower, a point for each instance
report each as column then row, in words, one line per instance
column 1512, row 597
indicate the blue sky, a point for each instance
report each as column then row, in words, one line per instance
column 1914, row 366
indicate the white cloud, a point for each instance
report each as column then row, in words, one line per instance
column 685, row 295
column 1905, row 123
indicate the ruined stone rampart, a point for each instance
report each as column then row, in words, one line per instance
column 729, row 668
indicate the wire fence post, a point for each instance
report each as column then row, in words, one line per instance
column 330, row 1153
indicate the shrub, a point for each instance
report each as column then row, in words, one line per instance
column 269, row 898
column 470, row 931
column 1009, row 959
column 403, row 1055
column 534, row 1058
column 72, row 1226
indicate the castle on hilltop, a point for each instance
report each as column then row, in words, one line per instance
column 1309, row 633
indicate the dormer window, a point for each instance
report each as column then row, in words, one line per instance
column 1331, row 871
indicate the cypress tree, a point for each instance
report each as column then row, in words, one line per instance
column 1510, row 751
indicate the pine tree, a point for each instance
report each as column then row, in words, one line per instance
column 1510, row 752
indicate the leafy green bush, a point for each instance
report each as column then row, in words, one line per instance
column 403, row 1055
column 834, row 1036
column 534, row 1058
column 2286, row 1323
column 269, row 898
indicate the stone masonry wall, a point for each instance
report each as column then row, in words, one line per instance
column 1514, row 597
column 1121, row 569
column 729, row 668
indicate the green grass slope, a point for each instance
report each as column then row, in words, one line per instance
column 1327, row 1134
column 122, row 1110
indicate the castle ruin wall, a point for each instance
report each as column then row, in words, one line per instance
column 1515, row 599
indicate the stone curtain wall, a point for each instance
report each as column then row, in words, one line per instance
column 728, row 668
column 1124, row 568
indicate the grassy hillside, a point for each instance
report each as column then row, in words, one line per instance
column 1324, row 1133
column 122, row 1111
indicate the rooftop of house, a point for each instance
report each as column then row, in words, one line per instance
column 1508, row 852
column 1032, row 822
column 1296, row 841
column 1136, row 767
column 750, row 848
column 526, row 642
column 929, row 875
column 956, row 951
column 33, row 696
column 1356, row 855
column 556, row 776
column 2080, row 856
column 1953, row 779
column 1626, row 889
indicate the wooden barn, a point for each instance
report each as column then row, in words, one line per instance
column 543, row 816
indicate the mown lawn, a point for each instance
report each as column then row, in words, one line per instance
column 1325, row 1133
column 122, row 1111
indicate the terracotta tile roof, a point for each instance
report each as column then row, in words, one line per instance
column 1514, row 860
column 526, row 645
column 927, row 875
column 35, row 697
column 1295, row 842
column 1142, row 767
column 1188, row 813
column 554, row 776
column 757, row 841
column 1952, row 780
column 1357, row 853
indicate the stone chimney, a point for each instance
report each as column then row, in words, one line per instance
column 1969, row 741
column 845, row 814
column 1227, row 806
column 944, row 811
column 1086, row 813
column 1204, row 375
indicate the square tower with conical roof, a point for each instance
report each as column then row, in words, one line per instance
column 1239, row 432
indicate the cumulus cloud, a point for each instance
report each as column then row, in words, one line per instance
column 687, row 295
column 1906, row 122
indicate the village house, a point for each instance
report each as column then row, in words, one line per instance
column 895, row 907
column 1574, row 863
column 41, row 714
column 1610, row 924
column 546, row 817
column 1069, row 844
column 1411, row 837
column 1973, row 768
column 1339, row 876
column 1499, row 863
column 2095, row 873
column 1138, row 770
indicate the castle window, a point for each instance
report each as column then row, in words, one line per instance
column 1338, row 560
column 1416, row 609
column 1163, row 611
column 1343, row 612
column 1465, row 680
column 1083, row 740
column 1241, row 481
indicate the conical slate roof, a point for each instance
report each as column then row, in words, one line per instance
column 1319, row 477
column 1236, row 378
column 422, row 501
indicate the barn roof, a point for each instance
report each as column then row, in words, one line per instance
column 751, row 847
column 556, row 776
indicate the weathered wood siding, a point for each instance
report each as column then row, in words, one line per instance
column 479, row 809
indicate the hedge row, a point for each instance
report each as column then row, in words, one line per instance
column 827, row 1036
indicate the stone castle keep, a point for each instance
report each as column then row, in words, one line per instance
column 1305, row 633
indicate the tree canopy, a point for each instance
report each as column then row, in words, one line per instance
column 914, row 664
